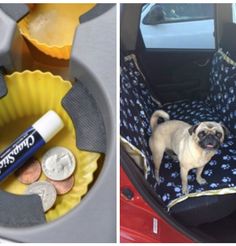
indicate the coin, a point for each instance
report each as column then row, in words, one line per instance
column 58, row 163
column 46, row 191
column 64, row 186
column 30, row 172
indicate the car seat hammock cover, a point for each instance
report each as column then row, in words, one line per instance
column 136, row 108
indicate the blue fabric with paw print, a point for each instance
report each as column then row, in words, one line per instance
column 137, row 106
column 222, row 96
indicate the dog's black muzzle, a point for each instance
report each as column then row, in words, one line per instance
column 210, row 142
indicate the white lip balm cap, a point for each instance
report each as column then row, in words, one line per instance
column 48, row 125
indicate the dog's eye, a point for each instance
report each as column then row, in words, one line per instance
column 201, row 134
column 219, row 134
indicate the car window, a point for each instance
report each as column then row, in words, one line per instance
column 234, row 12
column 163, row 13
column 185, row 26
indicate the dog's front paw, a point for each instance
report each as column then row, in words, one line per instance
column 157, row 177
column 185, row 190
column 201, row 180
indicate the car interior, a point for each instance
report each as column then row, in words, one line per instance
column 192, row 85
column 61, row 73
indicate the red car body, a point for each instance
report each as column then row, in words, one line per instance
column 139, row 223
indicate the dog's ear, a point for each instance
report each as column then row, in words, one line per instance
column 192, row 129
column 226, row 130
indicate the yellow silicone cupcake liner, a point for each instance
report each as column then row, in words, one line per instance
column 30, row 95
column 51, row 27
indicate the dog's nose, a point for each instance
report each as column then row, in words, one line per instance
column 211, row 141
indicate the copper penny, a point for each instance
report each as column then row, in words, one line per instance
column 29, row 172
column 64, row 186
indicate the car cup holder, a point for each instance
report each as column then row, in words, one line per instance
column 84, row 97
column 51, row 27
column 30, row 95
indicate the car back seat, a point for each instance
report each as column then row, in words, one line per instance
column 137, row 107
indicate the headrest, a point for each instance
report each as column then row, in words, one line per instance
column 129, row 25
column 228, row 39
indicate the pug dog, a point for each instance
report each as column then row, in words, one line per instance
column 194, row 146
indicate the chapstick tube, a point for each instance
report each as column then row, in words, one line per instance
column 42, row 131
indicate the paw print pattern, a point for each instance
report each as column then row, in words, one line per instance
column 162, row 179
column 226, row 179
column 190, row 188
column 166, row 197
column 233, row 171
column 213, row 163
column 219, row 152
column 175, row 174
column 178, row 189
column 168, row 165
column 227, row 158
column 168, row 157
column 208, row 172
column 214, row 185
column 179, row 194
column 230, row 143
column 200, row 189
column 233, row 151
column 191, row 178
column 225, row 145
column 169, row 184
column 225, row 166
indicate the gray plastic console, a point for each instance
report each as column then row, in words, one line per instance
column 93, row 64
column 12, row 44
column 15, row 10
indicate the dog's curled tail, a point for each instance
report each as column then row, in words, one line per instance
column 156, row 115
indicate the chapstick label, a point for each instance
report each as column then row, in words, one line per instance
column 19, row 151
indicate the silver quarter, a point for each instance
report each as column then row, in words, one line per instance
column 58, row 163
column 46, row 191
